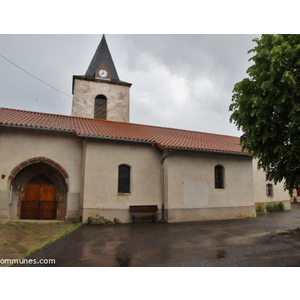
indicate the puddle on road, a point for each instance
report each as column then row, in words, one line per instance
column 123, row 260
column 221, row 253
column 245, row 240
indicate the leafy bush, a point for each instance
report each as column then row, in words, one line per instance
column 260, row 210
column 275, row 207
column 281, row 206
column 115, row 221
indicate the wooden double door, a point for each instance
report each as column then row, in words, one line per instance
column 39, row 200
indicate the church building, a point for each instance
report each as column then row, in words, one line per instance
column 96, row 163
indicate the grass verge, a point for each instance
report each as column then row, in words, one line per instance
column 19, row 240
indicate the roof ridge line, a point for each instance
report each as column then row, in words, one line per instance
column 118, row 122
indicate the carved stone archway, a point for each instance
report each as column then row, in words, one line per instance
column 24, row 172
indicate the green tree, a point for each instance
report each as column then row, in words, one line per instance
column 266, row 107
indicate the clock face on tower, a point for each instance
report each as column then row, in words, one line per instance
column 103, row 73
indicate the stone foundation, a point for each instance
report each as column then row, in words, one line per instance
column 263, row 205
column 206, row 214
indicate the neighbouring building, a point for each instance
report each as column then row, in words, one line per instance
column 267, row 192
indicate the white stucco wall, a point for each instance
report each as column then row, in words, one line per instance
column 85, row 93
column 100, row 194
column 191, row 194
column 17, row 146
column 92, row 166
column 259, row 189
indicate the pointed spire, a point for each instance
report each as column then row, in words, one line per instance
column 102, row 57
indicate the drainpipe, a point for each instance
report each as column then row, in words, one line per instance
column 162, row 179
column 163, row 184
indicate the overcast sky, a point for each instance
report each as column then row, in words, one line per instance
column 181, row 81
column 178, row 81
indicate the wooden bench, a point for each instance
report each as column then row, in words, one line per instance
column 143, row 211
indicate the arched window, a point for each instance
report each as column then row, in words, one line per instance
column 219, row 177
column 124, row 179
column 100, row 107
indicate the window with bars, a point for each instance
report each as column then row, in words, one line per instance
column 124, row 179
column 219, row 177
column 100, row 107
column 269, row 190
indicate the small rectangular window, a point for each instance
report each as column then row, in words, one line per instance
column 269, row 190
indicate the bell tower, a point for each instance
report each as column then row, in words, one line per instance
column 100, row 94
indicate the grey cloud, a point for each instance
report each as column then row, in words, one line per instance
column 201, row 69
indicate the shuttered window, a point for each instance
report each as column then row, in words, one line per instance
column 124, row 179
column 219, row 177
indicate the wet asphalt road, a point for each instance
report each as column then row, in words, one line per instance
column 257, row 242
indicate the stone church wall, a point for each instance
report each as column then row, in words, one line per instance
column 117, row 96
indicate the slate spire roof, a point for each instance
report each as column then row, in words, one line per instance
column 161, row 137
column 102, row 56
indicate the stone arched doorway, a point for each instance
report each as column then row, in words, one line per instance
column 39, row 188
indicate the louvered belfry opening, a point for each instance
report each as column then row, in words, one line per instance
column 100, row 107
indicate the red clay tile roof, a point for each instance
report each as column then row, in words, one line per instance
column 84, row 127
